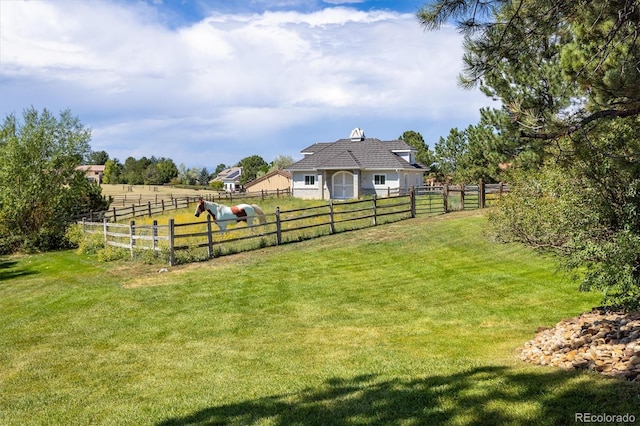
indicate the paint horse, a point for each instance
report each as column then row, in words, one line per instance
column 222, row 215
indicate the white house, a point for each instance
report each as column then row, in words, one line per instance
column 230, row 178
column 350, row 168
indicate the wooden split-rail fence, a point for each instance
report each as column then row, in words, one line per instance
column 285, row 226
column 160, row 205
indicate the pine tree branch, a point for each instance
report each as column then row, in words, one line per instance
column 567, row 131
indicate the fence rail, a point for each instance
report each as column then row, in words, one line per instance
column 153, row 195
column 284, row 226
column 159, row 206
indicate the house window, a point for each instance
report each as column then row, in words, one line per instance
column 379, row 179
column 309, row 180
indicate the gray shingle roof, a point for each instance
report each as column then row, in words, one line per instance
column 370, row 153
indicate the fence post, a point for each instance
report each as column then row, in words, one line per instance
column 149, row 206
column 172, row 258
column 332, row 227
column 445, row 197
column 481, row 195
column 104, row 224
column 154, row 240
column 209, row 238
column 278, row 227
column 133, row 210
column 462, row 196
column 132, row 233
column 375, row 209
column 412, row 200
column 162, row 203
column 115, row 216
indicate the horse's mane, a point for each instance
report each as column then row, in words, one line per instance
column 211, row 204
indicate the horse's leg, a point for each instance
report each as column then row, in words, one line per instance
column 249, row 221
column 259, row 214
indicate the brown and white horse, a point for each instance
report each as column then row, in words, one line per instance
column 222, row 215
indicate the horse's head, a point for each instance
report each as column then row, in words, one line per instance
column 200, row 208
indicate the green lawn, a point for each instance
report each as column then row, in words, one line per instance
column 417, row 322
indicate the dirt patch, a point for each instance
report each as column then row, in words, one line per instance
column 136, row 275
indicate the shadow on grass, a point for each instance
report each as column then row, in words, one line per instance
column 487, row 396
column 8, row 270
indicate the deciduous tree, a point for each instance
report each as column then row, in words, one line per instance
column 112, row 172
column 281, row 162
column 40, row 187
column 250, row 167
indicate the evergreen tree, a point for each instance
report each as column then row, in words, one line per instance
column 203, row 176
column 424, row 155
column 567, row 74
column 449, row 152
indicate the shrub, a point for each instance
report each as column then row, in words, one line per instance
column 563, row 213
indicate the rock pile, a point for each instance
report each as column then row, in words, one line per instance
column 600, row 340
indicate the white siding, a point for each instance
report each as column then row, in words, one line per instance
column 301, row 190
column 368, row 183
column 363, row 181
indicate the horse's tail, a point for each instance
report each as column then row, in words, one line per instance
column 259, row 213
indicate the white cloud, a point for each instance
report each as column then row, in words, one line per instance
column 229, row 79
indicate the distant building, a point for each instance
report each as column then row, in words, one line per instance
column 230, row 178
column 350, row 168
column 94, row 173
column 276, row 180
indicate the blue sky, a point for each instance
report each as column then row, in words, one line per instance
column 210, row 82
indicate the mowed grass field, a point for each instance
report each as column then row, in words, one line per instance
column 411, row 323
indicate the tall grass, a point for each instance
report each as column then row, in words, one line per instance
column 416, row 322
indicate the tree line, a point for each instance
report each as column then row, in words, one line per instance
column 460, row 157
column 161, row 171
